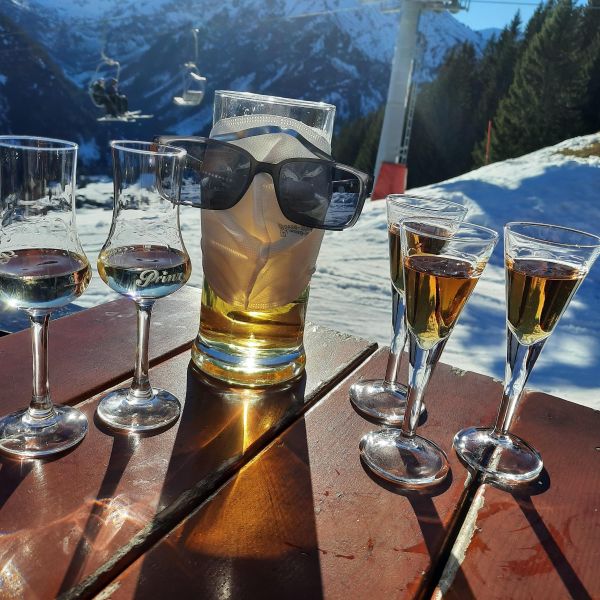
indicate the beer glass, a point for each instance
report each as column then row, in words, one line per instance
column 257, row 262
column 143, row 258
column 42, row 267
column 441, row 269
column 384, row 400
column 545, row 265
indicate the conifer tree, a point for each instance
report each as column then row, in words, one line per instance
column 591, row 41
column 444, row 132
column 367, row 155
column 496, row 72
column 537, row 20
column 544, row 103
column 348, row 142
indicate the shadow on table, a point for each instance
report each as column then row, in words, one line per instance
column 258, row 531
column 523, row 497
column 12, row 474
column 121, row 452
column 436, row 537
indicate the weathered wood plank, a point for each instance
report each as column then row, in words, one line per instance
column 305, row 520
column 542, row 541
column 94, row 349
column 76, row 520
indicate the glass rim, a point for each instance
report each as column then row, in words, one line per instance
column 268, row 99
column 124, row 145
column 393, row 199
column 508, row 227
column 64, row 144
column 493, row 235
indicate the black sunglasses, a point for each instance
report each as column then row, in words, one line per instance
column 314, row 192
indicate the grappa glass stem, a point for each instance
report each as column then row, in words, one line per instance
column 140, row 386
column 420, row 366
column 40, row 407
column 398, row 337
column 519, row 363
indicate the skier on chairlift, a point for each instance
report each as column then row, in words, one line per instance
column 98, row 91
column 116, row 103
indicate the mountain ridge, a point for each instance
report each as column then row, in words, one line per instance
column 336, row 51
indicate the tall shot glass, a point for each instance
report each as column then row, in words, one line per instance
column 144, row 258
column 545, row 265
column 441, row 269
column 384, row 400
column 42, row 267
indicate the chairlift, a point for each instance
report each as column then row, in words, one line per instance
column 104, row 93
column 194, row 85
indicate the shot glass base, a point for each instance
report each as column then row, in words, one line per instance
column 24, row 437
column 118, row 411
column 380, row 400
column 248, row 369
column 410, row 462
column 504, row 458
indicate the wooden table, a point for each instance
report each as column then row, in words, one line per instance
column 262, row 494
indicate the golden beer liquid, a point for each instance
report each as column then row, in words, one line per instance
column 256, row 339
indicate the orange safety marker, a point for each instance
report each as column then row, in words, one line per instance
column 391, row 180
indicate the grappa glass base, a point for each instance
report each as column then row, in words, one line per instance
column 27, row 437
column 505, row 458
column 411, row 462
column 120, row 411
column 379, row 400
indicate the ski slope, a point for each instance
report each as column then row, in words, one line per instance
column 350, row 290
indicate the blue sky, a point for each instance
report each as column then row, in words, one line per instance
column 482, row 15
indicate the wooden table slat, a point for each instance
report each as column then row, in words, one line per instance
column 95, row 348
column 305, row 520
column 543, row 541
column 95, row 509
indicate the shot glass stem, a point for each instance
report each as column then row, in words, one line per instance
column 140, row 386
column 392, row 371
column 519, row 363
column 420, row 363
column 40, row 407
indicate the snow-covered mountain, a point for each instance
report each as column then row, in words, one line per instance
column 35, row 96
column 338, row 51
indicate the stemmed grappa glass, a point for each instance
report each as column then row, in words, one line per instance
column 42, row 267
column 144, row 258
column 545, row 264
column 441, row 268
column 384, row 400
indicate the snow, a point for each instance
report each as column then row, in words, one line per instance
column 351, row 290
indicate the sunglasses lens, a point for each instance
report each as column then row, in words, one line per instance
column 215, row 175
column 317, row 194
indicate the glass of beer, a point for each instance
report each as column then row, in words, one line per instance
column 258, row 262
column 441, row 267
column 144, row 258
column 545, row 265
column 384, row 400
column 42, row 267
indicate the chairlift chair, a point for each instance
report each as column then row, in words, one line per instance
column 107, row 69
column 194, row 86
